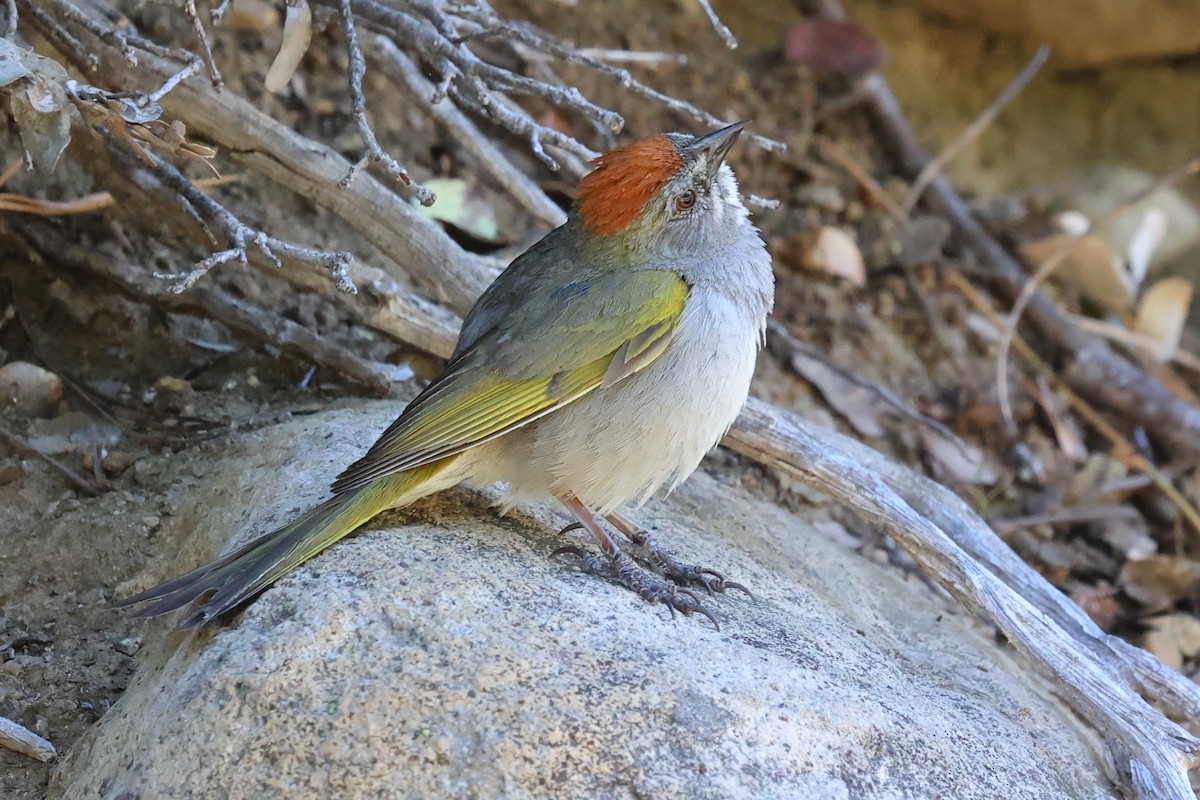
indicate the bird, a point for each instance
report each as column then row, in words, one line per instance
column 597, row 369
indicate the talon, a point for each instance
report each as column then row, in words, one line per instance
column 574, row 550
column 574, row 526
column 740, row 588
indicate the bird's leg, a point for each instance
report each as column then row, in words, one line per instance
column 618, row 566
column 665, row 564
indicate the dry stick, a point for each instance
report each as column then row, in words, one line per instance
column 189, row 7
column 1132, row 459
column 241, row 317
column 21, row 740
column 375, row 153
column 240, row 235
column 976, row 128
column 837, row 154
column 1093, row 368
column 266, row 146
column 779, row 338
column 11, row 170
column 1072, row 515
column 1047, row 268
column 1138, row 738
column 491, row 157
column 19, row 444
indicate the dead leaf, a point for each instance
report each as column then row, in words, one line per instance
column 835, row 253
column 297, row 33
column 1146, row 239
column 38, row 103
column 829, row 46
column 258, row 16
column 1173, row 638
column 12, row 63
column 1159, row 582
column 1099, row 604
column 857, row 404
column 959, row 460
column 1162, row 313
column 462, row 204
column 921, row 239
column 1092, row 265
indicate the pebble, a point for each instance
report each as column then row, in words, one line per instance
column 29, row 390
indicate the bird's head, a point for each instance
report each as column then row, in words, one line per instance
column 670, row 192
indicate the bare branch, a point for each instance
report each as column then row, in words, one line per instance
column 1093, row 685
column 976, row 128
column 490, row 157
column 189, row 7
column 375, row 153
column 720, row 27
column 239, row 235
column 81, row 484
column 259, row 325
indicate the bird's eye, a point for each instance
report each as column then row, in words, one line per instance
column 685, row 201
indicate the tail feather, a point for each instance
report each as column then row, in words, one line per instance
column 237, row 577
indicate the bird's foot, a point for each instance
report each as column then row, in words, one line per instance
column 666, row 564
column 622, row 569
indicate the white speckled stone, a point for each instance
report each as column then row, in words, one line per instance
column 441, row 654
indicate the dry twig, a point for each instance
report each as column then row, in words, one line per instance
column 1049, row 266
column 1125, row 451
column 21, row 740
column 18, row 444
column 720, row 27
column 976, row 128
column 490, row 157
column 257, row 324
column 375, row 154
column 189, row 7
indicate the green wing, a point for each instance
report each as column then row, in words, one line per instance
column 606, row 327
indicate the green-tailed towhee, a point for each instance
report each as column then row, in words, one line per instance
column 600, row 366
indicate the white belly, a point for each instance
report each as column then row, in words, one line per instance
column 621, row 444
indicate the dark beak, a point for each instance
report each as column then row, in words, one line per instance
column 714, row 146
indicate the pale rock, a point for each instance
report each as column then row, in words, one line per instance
column 442, row 654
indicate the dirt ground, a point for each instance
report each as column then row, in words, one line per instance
column 146, row 389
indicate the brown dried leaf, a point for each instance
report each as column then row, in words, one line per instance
column 1162, row 313
column 1093, row 266
column 1100, row 605
column 829, row 46
column 1173, row 638
column 1159, row 582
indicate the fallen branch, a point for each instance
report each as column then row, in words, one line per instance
column 19, row 445
column 21, row 740
column 258, row 325
column 1091, row 366
column 936, row 529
